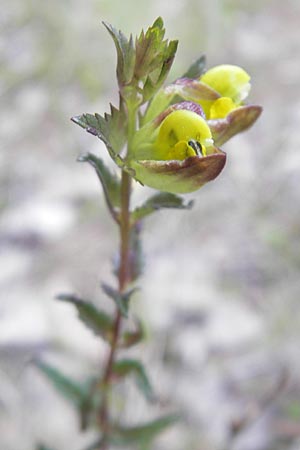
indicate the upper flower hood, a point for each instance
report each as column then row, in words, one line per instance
column 233, row 86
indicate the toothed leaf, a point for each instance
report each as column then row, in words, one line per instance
column 125, row 55
column 111, row 129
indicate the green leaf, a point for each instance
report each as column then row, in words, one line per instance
column 121, row 300
column 159, row 201
column 111, row 129
column 133, row 367
column 196, row 69
column 98, row 321
column 125, row 55
column 141, row 434
column 109, row 181
column 70, row 389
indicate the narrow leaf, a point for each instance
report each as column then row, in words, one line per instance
column 159, row 201
column 196, row 69
column 109, row 181
column 141, row 434
column 70, row 389
column 121, row 300
column 98, row 321
column 133, row 367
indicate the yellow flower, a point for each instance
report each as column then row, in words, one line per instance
column 233, row 86
column 182, row 134
column 181, row 157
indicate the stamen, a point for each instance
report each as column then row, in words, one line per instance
column 196, row 146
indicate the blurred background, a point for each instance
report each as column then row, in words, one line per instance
column 220, row 292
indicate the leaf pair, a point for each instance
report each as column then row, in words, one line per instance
column 99, row 322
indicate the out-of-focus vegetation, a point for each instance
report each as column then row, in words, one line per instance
column 224, row 332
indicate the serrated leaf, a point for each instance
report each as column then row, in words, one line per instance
column 121, row 300
column 159, row 201
column 70, row 389
column 97, row 321
column 196, row 69
column 109, row 181
column 111, row 129
column 141, row 434
column 134, row 367
column 125, row 55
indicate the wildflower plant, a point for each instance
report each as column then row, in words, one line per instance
column 168, row 137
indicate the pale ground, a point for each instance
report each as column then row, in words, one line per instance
column 220, row 292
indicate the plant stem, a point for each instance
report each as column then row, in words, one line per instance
column 123, row 278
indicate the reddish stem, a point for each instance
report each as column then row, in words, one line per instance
column 123, row 277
